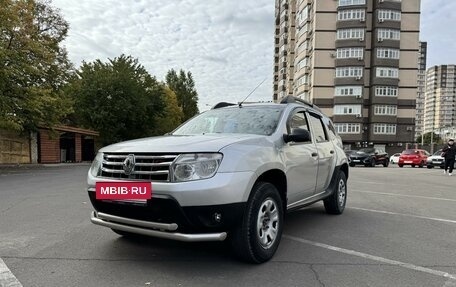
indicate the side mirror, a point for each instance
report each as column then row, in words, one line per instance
column 297, row 135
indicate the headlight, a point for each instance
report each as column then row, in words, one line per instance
column 95, row 169
column 195, row 166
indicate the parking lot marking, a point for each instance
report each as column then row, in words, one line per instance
column 373, row 257
column 404, row 195
column 7, row 278
column 404, row 214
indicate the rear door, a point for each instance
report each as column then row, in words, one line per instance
column 326, row 152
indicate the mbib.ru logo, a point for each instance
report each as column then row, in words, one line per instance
column 123, row 190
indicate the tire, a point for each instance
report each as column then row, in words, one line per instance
column 421, row 165
column 413, row 165
column 252, row 241
column 372, row 164
column 386, row 163
column 430, row 166
column 352, row 164
column 400, row 165
column 335, row 203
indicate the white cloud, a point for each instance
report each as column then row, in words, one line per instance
column 437, row 28
column 227, row 45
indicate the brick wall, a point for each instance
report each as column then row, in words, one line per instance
column 49, row 147
column 78, row 147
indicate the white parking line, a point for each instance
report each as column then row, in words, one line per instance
column 404, row 195
column 404, row 214
column 7, row 278
column 373, row 257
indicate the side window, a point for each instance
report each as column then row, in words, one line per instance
column 298, row 120
column 330, row 128
column 318, row 128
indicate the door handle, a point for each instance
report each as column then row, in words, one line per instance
column 331, row 152
column 314, row 154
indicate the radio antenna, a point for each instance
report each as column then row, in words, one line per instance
column 240, row 104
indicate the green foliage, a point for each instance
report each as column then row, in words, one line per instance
column 33, row 65
column 172, row 116
column 427, row 139
column 184, row 87
column 120, row 99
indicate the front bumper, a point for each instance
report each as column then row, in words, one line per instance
column 154, row 229
column 361, row 161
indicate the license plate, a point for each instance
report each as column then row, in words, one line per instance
column 356, row 160
column 124, row 191
column 408, row 161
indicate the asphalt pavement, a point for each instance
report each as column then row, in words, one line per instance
column 399, row 229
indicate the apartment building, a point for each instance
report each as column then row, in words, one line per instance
column 420, row 95
column 440, row 98
column 355, row 59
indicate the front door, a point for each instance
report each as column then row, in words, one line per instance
column 301, row 161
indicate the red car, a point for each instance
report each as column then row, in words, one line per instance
column 413, row 157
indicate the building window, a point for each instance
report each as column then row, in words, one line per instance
column 388, row 53
column 389, row 34
column 358, row 14
column 386, row 91
column 344, row 72
column 348, row 128
column 351, row 2
column 385, row 110
column 386, row 72
column 348, row 91
column 355, row 33
column 302, row 80
column 303, row 15
column 344, row 53
column 384, row 129
column 302, row 64
column 347, row 109
column 389, row 15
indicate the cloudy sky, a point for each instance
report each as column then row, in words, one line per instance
column 226, row 44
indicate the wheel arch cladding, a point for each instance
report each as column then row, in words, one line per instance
column 344, row 168
column 277, row 178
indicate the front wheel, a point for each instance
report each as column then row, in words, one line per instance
column 256, row 239
column 335, row 203
column 400, row 165
column 386, row 163
column 421, row 165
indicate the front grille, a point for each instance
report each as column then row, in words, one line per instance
column 149, row 167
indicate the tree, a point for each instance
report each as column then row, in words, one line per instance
column 33, row 65
column 184, row 86
column 120, row 99
column 172, row 116
column 427, row 138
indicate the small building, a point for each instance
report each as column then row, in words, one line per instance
column 60, row 144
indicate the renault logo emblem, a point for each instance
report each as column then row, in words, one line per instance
column 129, row 164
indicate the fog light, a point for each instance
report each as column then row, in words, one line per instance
column 217, row 217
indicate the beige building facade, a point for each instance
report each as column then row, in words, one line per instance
column 355, row 59
column 440, row 99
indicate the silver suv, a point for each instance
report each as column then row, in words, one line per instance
column 228, row 173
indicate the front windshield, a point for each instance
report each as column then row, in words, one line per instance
column 439, row 152
column 259, row 120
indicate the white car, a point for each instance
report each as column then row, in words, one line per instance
column 435, row 160
column 394, row 159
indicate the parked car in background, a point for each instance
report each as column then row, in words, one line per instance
column 413, row 157
column 369, row 157
column 435, row 160
column 394, row 159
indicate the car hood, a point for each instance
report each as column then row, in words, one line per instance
column 179, row 144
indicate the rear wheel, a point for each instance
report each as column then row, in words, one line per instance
column 256, row 239
column 335, row 203
column 372, row 162
column 421, row 164
column 413, row 165
column 400, row 165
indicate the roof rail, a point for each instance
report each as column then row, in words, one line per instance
column 291, row 99
column 222, row 105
